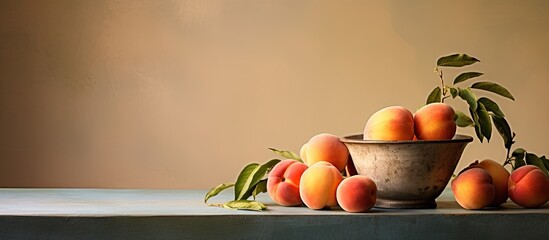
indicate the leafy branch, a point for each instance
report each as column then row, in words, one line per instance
column 483, row 111
column 520, row 157
column 251, row 181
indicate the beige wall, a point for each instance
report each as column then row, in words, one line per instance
column 183, row 94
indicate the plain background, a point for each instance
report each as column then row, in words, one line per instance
column 184, row 94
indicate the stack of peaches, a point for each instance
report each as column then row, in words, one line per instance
column 318, row 182
column 489, row 184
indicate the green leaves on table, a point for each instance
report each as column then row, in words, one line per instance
column 287, row 154
column 251, row 181
column 260, row 187
column 216, row 190
column 245, row 205
column 249, row 177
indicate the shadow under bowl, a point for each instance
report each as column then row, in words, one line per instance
column 408, row 174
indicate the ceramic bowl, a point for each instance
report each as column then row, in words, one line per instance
column 408, row 174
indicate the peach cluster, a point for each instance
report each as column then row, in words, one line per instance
column 489, row 184
column 433, row 121
column 318, row 183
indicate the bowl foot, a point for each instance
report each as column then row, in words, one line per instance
column 385, row 203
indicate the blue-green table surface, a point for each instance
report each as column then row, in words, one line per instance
column 177, row 214
column 140, row 202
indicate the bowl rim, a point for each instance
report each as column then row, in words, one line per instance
column 358, row 138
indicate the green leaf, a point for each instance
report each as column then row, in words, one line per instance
column 216, row 190
column 518, row 154
column 466, row 76
column 485, row 121
column 262, row 172
column 244, row 180
column 249, row 177
column 519, row 163
column 493, row 87
column 467, row 95
column 245, row 205
column 463, row 120
column 474, row 114
column 260, row 187
column 435, row 96
column 287, row 154
column 545, row 161
column 456, row 60
column 491, row 106
column 454, row 92
column 532, row 159
column 504, row 130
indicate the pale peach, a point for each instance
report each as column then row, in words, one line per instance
column 325, row 147
column 390, row 123
column 319, row 184
column 283, row 182
column 435, row 121
column 303, row 152
column 356, row 194
column 529, row 186
column 473, row 188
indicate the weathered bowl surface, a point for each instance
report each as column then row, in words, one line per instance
column 408, row 174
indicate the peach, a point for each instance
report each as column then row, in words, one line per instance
column 473, row 188
column 319, row 184
column 283, row 182
column 500, row 177
column 529, row 186
column 356, row 194
column 303, row 152
column 435, row 121
column 390, row 123
column 325, row 147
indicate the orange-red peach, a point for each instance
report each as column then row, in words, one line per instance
column 473, row 188
column 319, row 184
column 435, row 121
column 529, row 186
column 283, row 182
column 325, row 147
column 390, row 123
column 356, row 194
column 500, row 177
